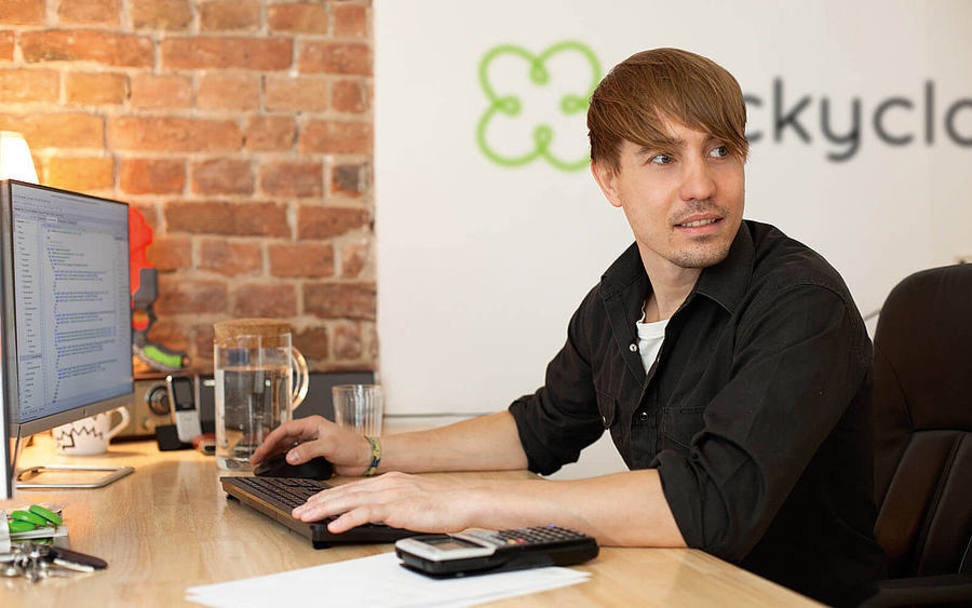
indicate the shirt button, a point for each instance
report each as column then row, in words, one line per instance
column 633, row 347
column 643, row 416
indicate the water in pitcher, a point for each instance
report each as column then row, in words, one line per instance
column 250, row 402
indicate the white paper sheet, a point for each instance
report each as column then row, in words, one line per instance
column 377, row 581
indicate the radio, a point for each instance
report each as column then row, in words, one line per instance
column 151, row 407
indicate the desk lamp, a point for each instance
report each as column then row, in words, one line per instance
column 15, row 159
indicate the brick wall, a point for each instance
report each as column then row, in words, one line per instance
column 242, row 129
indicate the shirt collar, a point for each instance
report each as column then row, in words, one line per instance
column 725, row 283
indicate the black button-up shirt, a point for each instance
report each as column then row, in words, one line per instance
column 756, row 412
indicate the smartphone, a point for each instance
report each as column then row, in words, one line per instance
column 182, row 401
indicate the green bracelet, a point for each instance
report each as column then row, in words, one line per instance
column 375, row 456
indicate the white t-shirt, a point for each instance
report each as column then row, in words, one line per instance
column 650, row 338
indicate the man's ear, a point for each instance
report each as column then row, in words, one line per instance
column 606, row 179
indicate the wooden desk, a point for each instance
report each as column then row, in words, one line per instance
column 168, row 526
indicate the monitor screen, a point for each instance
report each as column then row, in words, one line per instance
column 66, row 306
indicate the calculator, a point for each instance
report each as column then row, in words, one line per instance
column 479, row 551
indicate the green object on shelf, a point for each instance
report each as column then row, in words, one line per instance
column 173, row 360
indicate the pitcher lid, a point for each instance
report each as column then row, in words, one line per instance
column 266, row 331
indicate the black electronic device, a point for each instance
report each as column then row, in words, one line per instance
column 276, row 497
column 277, row 466
column 182, row 399
column 479, row 551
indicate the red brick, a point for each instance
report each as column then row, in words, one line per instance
column 350, row 96
column 151, row 176
column 222, row 176
column 61, row 130
column 95, row 88
column 277, row 300
column 168, row 253
column 302, row 260
column 347, row 341
column 229, row 15
column 228, row 92
column 173, row 134
column 81, row 174
column 292, row 178
column 227, row 52
column 336, row 137
column 87, row 45
column 335, row 57
column 340, row 300
column 355, row 257
column 6, row 46
column 203, row 342
column 350, row 20
column 265, row 133
column 179, row 295
column 312, row 342
column 317, row 222
column 161, row 14
column 170, row 333
column 350, row 180
column 161, row 91
column 231, row 259
column 100, row 12
column 296, row 93
column 242, row 219
column 297, row 17
column 23, row 12
column 25, row 86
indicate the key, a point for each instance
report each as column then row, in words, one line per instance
column 75, row 560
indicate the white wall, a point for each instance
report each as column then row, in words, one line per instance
column 480, row 265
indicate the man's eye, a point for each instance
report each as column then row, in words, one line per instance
column 661, row 159
column 719, row 152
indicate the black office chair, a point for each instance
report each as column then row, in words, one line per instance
column 923, row 447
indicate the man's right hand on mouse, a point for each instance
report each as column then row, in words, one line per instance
column 314, row 436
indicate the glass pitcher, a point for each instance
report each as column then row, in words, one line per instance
column 260, row 379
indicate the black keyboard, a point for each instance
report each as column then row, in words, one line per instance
column 276, row 497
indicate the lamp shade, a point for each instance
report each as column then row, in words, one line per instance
column 15, row 159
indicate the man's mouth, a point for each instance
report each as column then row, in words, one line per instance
column 699, row 223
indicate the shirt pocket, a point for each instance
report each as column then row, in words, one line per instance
column 607, row 407
column 679, row 425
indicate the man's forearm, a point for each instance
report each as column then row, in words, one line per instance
column 484, row 443
column 623, row 509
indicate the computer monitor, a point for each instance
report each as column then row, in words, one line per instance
column 65, row 310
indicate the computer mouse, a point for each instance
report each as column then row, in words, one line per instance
column 277, row 466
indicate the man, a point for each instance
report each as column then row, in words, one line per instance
column 728, row 362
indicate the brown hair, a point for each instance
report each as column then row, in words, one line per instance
column 632, row 100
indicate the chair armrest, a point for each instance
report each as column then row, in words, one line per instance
column 921, row 590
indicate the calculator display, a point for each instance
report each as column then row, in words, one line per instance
column 451, row 544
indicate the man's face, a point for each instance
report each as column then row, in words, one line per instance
column 684, row 202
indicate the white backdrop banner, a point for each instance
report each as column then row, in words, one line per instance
column 491, row 229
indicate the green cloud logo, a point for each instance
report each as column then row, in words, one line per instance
column 539, row 70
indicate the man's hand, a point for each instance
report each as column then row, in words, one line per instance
column 398, row 500
column 307, row 438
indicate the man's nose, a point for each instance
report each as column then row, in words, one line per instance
column 697, row 181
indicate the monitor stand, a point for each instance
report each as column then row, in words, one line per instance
column 21, row 479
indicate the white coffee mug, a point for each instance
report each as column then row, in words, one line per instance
column 90, row 435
